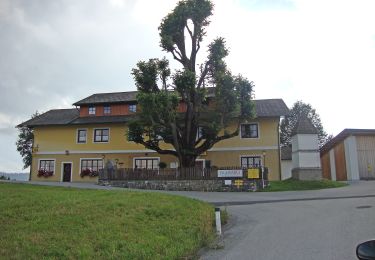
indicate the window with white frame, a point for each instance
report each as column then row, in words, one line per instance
column 199, row 132
column 133, row 108
column 101, row 135
column 107, row 110
column 249, row 130
column 91, row 165
column 146, row 163
column 92, row 110
column 250, row 161
column 81, row 136
column 47, row 166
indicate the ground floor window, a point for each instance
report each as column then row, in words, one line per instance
column 46, row 168
column 146, row 163
column 250, row 161
column 91, row 167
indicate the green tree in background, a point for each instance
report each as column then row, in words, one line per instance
column 25, row 143
column 203, row 122
column 288, row 124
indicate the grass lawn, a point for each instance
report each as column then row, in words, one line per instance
column 38, row 222
column 290, row 185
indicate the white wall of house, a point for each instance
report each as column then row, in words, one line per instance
column 286, row 169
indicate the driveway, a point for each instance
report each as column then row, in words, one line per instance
column 321, row 224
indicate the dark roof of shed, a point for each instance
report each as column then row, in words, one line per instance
column 304, row 126
column 286, row 153
column 53, row 117
column 343, row 135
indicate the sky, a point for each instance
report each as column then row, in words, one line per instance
column 54, row 53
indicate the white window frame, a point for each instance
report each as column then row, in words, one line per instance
column 131, row 106
column 77, row 136
column 143, row 158
column 252, row 155
column 48, row 159
column 101, row 142
column 62, row 171
column 110, row 109
column 80, row 162
column 253, row 123
column 94, row 110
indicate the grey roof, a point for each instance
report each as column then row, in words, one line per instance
column 115, row 97
column 270, row 108
column 304, row 126
column 286, row 153
column 53, row 117
column 343, row 135
column 100, row 120
column 263, row 107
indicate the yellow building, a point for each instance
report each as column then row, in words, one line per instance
column 73, row 144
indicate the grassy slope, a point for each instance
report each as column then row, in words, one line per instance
column 290, row 185
column 51, row 222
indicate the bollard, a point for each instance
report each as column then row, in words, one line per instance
column 218, row 221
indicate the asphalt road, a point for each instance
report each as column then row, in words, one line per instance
column 311, row 229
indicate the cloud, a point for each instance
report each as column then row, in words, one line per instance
column 54, row 53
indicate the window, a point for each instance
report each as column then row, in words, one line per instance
column 199, row 132
column 133, row 108
column 250, row 161
column 91, row 165
column 101, row 135
column 47, row 167
column 146, row 163
column 249, row 131
column 92, row 110
column 81, row 135
column 107, row 110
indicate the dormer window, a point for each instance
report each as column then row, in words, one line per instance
column 133, row 108
column 92, row 110
column 107, row 110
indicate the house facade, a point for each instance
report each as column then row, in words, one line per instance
column 74, row 144
column 349, row 156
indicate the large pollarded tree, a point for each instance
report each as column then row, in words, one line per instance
column 175, row 108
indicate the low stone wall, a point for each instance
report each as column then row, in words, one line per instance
column 185, row 185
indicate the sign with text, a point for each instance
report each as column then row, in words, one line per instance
column 253, row 173
column 238, row 182
column 229, row 173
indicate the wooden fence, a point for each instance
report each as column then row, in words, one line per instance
column 194, row 173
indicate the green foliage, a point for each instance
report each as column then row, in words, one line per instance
column 67, row 223
column 25, row 143
column 291, row 184
column 162, row 92
column 298, row 110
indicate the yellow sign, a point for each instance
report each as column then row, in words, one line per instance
column 238, row 182
column 253, row 173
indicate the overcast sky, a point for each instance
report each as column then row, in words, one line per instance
column 53, row 53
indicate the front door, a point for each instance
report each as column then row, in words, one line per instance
column 67, row 172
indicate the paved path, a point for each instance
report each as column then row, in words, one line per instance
column 355, row 189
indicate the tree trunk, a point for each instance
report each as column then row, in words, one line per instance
column 187, row 161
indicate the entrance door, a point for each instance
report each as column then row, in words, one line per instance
column 67, row 172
